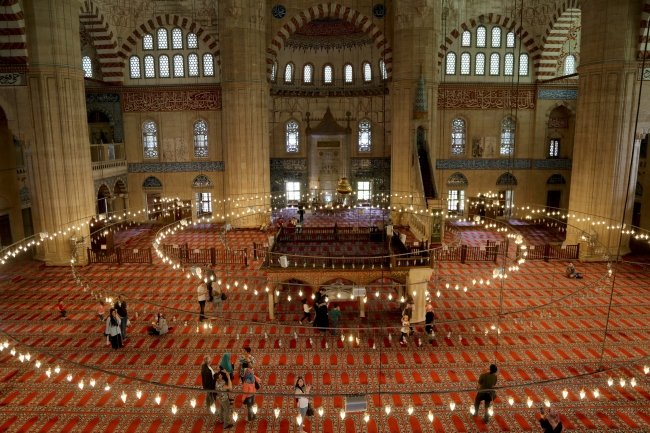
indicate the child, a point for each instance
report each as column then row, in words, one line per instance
column 335, row 313
column 101, row 310
column 405, row 328
column 61, row 309
column 306, row 309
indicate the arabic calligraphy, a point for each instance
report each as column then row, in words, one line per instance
column 176, row 100
column 12, row 79
column 486, row 98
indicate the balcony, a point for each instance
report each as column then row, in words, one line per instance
column 108, row 160
column 337, row 88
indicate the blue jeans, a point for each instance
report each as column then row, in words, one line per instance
column 123, row 326
column 335, row 324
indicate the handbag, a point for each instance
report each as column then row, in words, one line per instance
column 310, row 410
column 223, row 297
column 257, row 385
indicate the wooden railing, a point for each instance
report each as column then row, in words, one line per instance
column 548, row 252
column 119, row 256
column 328, row 234
column 211, row 256
column 259, row 251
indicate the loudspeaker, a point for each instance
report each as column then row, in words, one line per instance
column 283, row 261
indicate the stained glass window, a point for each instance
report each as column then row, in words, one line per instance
column 193, row 65
column 466, row 39
column 510, row 40
column 328, row 74
column 509, row 64
column 274, row 70
column 363, row 190
column 177, row 39
column 203, row 203
column 192, row 41
column 163, row 66
column 570, row 64
column 134, row 67
column 479, row 66
column 147, row 42
column 288, row 73
column 200, row 139
column 496, row 37
column 179, row 66
column 162, row 39
column 523, row 64
column 149, row 68
column 292, row 136
column 481, row 36
column 465, row 64
column 458, row 133
column 348, row 74
column 208, row 65
column 382, row 70
column 495, row 65
column 307, row 74
column 150, row 139
column 507, row 136
column 87, row 66
column 451, row 63
column 365, row 137
column 293, row 191
column 367, row 72
column 554, row 148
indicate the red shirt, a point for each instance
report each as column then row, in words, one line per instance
column 59, row 306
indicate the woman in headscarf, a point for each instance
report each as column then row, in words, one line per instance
column 428, row 321
column 321, row 321
column 550, row 421
column 227, row 366
column 113, row 330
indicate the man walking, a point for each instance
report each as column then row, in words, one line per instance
column 208, row 382
column 120, row 306
column 209, row 278
column 486, row 393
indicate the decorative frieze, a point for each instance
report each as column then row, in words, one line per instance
column 503, row 164
column 171, row 100
column 557, row 94
column 553, row 164
column 482, row 98
column 176, row 167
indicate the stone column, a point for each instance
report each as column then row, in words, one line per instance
column 60, row 159
column 413, row 51
column 245, row 134
column 418, row 279
column 604, row 133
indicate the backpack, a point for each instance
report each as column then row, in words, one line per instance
column 249, row 378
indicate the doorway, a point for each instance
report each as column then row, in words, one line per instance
column 553, row 199
column 636, row 214
column 5, row 231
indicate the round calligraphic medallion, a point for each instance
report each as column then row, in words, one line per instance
column 279, row 11
column 379, row 10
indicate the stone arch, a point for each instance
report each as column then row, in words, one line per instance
column 152, row 182
column 151, row 24
column 567, row 4
column 103, row 187
column 12, row 21
column 555, row 39
column 335, row 10
column 457, row 180
column 526, row 37
column 507, row 179
column 103, row 40
column 10, row 114
column 643, row 31
column 556, row 179
column 564, row 104
column 202, row 182
column 120, row 186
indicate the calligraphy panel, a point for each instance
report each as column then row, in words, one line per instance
column 172, row 100
column 479, row 98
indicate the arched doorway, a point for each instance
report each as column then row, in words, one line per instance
column 100, row 127
column 103, row 196
column 120, row 193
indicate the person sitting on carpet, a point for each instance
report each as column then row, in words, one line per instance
column 113, row 330
column 550, row 421
column 571, row 272
column 160, row 326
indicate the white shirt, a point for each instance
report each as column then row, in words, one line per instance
column 302, row 401
column 306, row 308
column 201, row 291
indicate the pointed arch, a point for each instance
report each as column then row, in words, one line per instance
column 564, row 104
column 555, row 40
column 334, row 10
column 13, row 38
column 202, row 181
column 507, row 179
column 104, row 42
column 643, row 31
column 152, row 182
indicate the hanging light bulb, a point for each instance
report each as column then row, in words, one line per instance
column 158, row 399
column 646, row 369
column 342, row 414
column 57, row 369
column 529, row 402
column 92, row 383
column 193, row 402
column 366, row 417
column 547, row 402
column 610, row 381
column 633, row 382
column 299, row 419
column 387, row 409
column 452, row 405
column 48, row 372
column 622, row 382
column 174, row 409
column 491, row 410
column 13, row 352
column 410, row 410
column 69, row 377
column 107, row 387
column 472, row 409
column 235, row 416
column 28, row 356
column 511, row 400
column 565, row 393
column 582, row 393
column 213, row 408
column 38, row 364
column 596, row 393
column 255, row 408
column 81, row 384
column 438, row 293
column 138, row 394
column 21, row 357
column 430, row 416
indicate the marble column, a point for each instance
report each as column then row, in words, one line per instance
column 62, row 193
column 418, row 280
column 604, row 148
column 245, row 103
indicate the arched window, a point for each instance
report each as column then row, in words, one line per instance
column 193, row 65
column 458, row 136
column 523, row 64
column 87, row 65
column 496, row 37
column 479, row 65
column 208, row 65
column 367, row 72
column 495, row 64
column 328, row 74
column 147, row 42
column 382, row 70
column 509, row 64
column 163, row 66
column 465, row 64
column 348, row 73
column 507, row 136
column 149, row 68
column 570, row 64
column 179, row 66
column 365, row 137
column 451, row 63
column 200, row 139
column 163, row 44
column 192, row 41
column 466, row 39
column 481, row 37
column 292, row 136
column 288, row 73
column 150, row 139
column 510, row 40
column 134, row 67
column 274, row 71
column 308, row 74
column 177, row 39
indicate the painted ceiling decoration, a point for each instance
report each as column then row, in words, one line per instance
column 328, row 34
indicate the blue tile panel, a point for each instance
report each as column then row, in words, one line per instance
column 176, row 167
